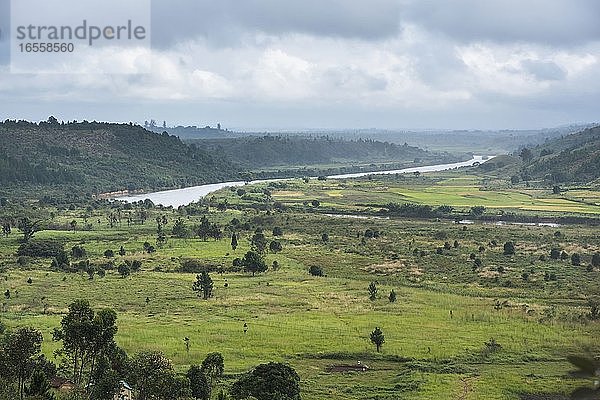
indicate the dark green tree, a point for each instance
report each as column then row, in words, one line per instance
column 85, row 335
column 234, row 241
column 153, row 377
column 203, row 285
column 19, row 351
column 509, row 248
column 213, row 367
column 29, row 227
column 254, row 262
column 575, row 259
column 392, row 296
column 258, row 242
column 275, row 246
column 180, row 230
column 199, row 385
column 372, row 291
column 377, row 338
column 268, row 382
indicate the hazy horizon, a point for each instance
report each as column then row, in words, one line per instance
column 327, row 65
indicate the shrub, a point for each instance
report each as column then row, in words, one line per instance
column 315, row 270
column 41, row 248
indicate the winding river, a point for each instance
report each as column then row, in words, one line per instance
column 181, row 197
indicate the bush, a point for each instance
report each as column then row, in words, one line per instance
column 267, row 382
column 78, row 252
column 315, row 270
column 509, row 248
column 41, row 248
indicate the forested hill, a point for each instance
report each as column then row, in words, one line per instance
column 266, row 151
column 572, row 158
column 95, row 157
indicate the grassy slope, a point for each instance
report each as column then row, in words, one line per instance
column 306, row 321
column 573, row 158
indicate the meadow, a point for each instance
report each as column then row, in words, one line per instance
column 447, row 307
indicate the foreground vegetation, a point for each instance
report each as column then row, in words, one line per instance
column 478, row 310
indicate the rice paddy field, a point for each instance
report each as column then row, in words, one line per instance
column 448, row 304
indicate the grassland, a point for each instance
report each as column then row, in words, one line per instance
column 434, row 333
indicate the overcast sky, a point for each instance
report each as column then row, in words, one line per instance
column 268, row 64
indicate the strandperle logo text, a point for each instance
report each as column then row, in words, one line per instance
column 86, row 31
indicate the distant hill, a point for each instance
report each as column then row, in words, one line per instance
column 102, row 157
column 572, row 158
column 269, row 151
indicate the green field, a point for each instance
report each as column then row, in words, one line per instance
column 434, row 333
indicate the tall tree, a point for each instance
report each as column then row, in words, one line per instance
column 203, row 285
column 377, row 338
column 213, row 367
column 198, row 383
column 19, row 351
column 153, row 378
column 29, row 227
column 85, row 336
column 259, row 242
column 234, row 241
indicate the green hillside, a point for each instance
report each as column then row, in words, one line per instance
column 268, row 151
column 101, row 157
column 573, row 158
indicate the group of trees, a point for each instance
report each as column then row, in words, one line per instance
column 91, row 359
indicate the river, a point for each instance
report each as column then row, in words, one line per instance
column 181, row 197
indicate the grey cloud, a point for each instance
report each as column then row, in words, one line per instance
column 354, row 79
column 554, row 23
column 544, row 70
column 224, row 22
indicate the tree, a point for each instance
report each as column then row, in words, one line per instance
column 575, row 259
column 198, row 383
column 253, row 262
column 234, row 241
column 315, row 270
column 19, row 350
column 180, row 230
column 377, row 338
column 78, row 252
column 203, row 285
column 122, row 251
column 509, row 248
column 213, row 367
column 596, row 260
column 275, row 246
column 325, row 238
column 392, row 296
column 152, row 375
column 268, row 382
column 258, row 242
column 555, row 253
column 85, row 335
column 29, row 227
column 39, row 386
column 124, row 270
column 277, row 231
column 109, row 253
column 372, row 291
